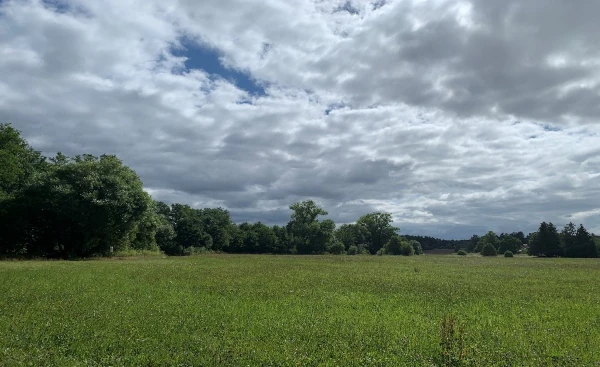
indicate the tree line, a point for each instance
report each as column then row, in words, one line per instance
column 572, row 241
column 85, row 206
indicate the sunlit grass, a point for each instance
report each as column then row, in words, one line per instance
column 243, row 310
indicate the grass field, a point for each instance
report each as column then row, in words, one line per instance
column 228, row 310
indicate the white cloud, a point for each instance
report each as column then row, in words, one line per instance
column 454, row 116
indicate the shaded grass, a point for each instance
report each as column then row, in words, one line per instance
column 219, row 310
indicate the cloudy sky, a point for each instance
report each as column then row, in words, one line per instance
column 457, row 117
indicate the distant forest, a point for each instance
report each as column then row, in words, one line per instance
column 88, row 206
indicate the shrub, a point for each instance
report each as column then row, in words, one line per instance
column 488, row 250
column 353, row 250
column 407, row 249
column 399, row 246
column 462, row 252
column 336, row 248
column 381, row 251
column 508, row 253
column 417, row 247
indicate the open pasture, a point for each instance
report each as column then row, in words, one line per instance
column 263, row 310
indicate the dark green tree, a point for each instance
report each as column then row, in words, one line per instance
column 283, row 240
column 188, row 225
column 379, row 229
column 308, row 235
column 489, row 238
column 79, row 207
column 584, row 245
column 488, row 250
column 416, row 245
column 546, row 242
column 472, row 245
column 509, row 243
column 567, row 240
column 351, row 235
column 18, row 161
column 217, row 223
column 398, row 246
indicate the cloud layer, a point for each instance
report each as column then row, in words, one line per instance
column 455, row 116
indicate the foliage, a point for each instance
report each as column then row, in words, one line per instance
column 398, row 246
column 508, row 253
column 461, row 253
column 308, row 235
column 19, row 162
column 509, row 243
column 431, row 243
column 379, row 229
column 489, row 250
column 416, row 245
column 472, row 244
column 351, row 234
column 578, row 243
column 546, row 242
column 489, row 238
column 336, row 248
column 353, row 250
column 78, row 207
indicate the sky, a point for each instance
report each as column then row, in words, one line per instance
column 457, row 117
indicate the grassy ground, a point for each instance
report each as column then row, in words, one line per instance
column 226, row 310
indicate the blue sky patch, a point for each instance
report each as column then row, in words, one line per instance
column 63, row 7
column 209, row 60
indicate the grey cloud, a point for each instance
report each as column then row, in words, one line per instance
column 423, row 124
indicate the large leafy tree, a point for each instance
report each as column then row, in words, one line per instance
column 188, row 225
column 18, row 161
column 308, row 234
column 217, row 224
column 351, row 235
column 79, row 207
column 489, row 238
column 379, row 229
column 509, row 243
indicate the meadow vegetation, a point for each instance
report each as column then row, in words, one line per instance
column 272, row 310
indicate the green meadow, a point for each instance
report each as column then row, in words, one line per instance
column 266, row 310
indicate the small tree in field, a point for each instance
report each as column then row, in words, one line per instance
column 488, row 250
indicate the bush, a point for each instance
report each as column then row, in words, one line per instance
column 417, row 247
column 488, row 250
column 508, row 254
column 380, row 252
column 407, row 249
column 399, row 246
column 353, row 250
column 462, row 252
column 336, row 248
